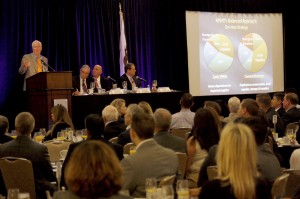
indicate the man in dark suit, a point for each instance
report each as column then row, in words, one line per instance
column 100, row 81
column 292, row 113
column 150, row 160
column 4, row 129
column 162, row 136
column 276, row 103
column 112, row 127
column 129, row 77
column 82, row 82
column 24, row 147
column 94, row 126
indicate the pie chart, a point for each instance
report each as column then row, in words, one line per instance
column 253, row 52
column 218, row 53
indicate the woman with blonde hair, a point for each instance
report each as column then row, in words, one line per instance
column 238, row 176
column 120, row 105
column 146, row 107
column 61, row 120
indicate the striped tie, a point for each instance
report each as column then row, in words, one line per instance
column 84, row 86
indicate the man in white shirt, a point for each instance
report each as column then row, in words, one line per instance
column 100, row 81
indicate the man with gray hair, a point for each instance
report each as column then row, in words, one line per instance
column 4, row 125
column 162, row 136
column 81, row 83
column 112, row 127
column 24, row 147
column 233, row 106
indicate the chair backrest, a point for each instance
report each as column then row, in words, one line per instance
column 279, row 186
column 114, row 140
column 292, row 182
column 126, row 148
column 182, row 160
column 18, row 173
column 270, row 142
column 212, row 172
column 293, row 125
column 54, row 149
column 167, row 180
column 63, row 153
column 181, row 132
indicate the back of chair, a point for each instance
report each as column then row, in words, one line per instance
column 167, row 180
column 182, row 159
column 212, row 172
column 126, row 148
column 181, row 132
column 114, row 140
column 18, row 173
column 54, row 149
column 292, row 182
column 279, row 186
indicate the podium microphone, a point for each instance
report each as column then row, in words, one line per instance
column 139, row 78
column 112, row 79
column 44, row 63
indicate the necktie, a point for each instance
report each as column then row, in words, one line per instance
column 84, row 86
column 132, row 82
column 39, row 65
column 96, row 83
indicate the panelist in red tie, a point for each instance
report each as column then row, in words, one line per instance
column 82, row 82
column 33, row 63
column 129, row 76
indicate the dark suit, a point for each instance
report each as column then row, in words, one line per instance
column 292, row 115
column 117, row 148
column 37, row 153
column 129, row 86
column 124, row 137
column 76, row 82
column 113, row 129
column 280, row 111
column 279, row 124
column 170, row 141
column 105, row 84
column 5, row 138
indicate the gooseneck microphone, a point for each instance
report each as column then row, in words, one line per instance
column 112, row 79
column 44, row 63
column 139, row 78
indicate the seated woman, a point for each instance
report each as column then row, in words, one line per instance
column 120, row 105
column 238, row 176
column 93, row 171
column 61, row 120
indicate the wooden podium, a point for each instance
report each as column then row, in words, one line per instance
column 42, row 89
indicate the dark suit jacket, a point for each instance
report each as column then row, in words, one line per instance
column 5, row 138
column 279, row 124
column 76, row 82
column 124, row 137
column 125, row 78
column 105, row 84
column 292, row 115
column 170, row 141
column 117, row 148
column 281, row 111
column 37, row 153
column 113, row 129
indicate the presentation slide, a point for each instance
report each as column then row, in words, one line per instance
column 234, row 53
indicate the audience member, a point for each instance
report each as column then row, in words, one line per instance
column 124, row 137
column 264, row 102
column 162, row 136
column 100, row 81
column 276, row 103
column 224, row 107
column 292, row 114
column 205, row 133
column 93, row 171
column 4, row 125
column 61, row 120
column 233, row 106
column 24, row 147
column 292, row 90
column 150, row 158
column 120, row 105
column 295, row 159
column 146, row 107
column 236, row 141
column 112, row 127
column 129, row 77
column 94, row 127
column 34, row 62
column 81, row 83
column 185, row 117
column 248, row 107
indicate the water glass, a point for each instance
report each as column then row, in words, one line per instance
column 182, row 189
column 150, row 187
column 60, row 135
column 124, row 85
column 12, row 193
column 167, row 192
column 79, row 135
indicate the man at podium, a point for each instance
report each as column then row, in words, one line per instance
column 33, row 63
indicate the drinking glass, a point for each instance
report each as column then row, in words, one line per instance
column 43, row 131
column 132, row 150
column 92, row 85
column 124, row 85
column 38, row 137
column 154, row 83
column 167, row 192
column 84, row 134
column 290, row 133
column 79, row 135
column 182, row 189
column 12, row 193
column 60, row 135
column 13, row 134
column 150, row 187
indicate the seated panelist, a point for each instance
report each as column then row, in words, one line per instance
column 129, row 76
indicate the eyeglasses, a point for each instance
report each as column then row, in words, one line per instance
column 84, row 72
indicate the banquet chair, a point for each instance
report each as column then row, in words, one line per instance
column 181, row 132
column 292, row 182
column 13, row 169
column 167, row 180
column 212, row 172
column 279, row 186
column 54, row 149
column 114, row 140
column 182, row 159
